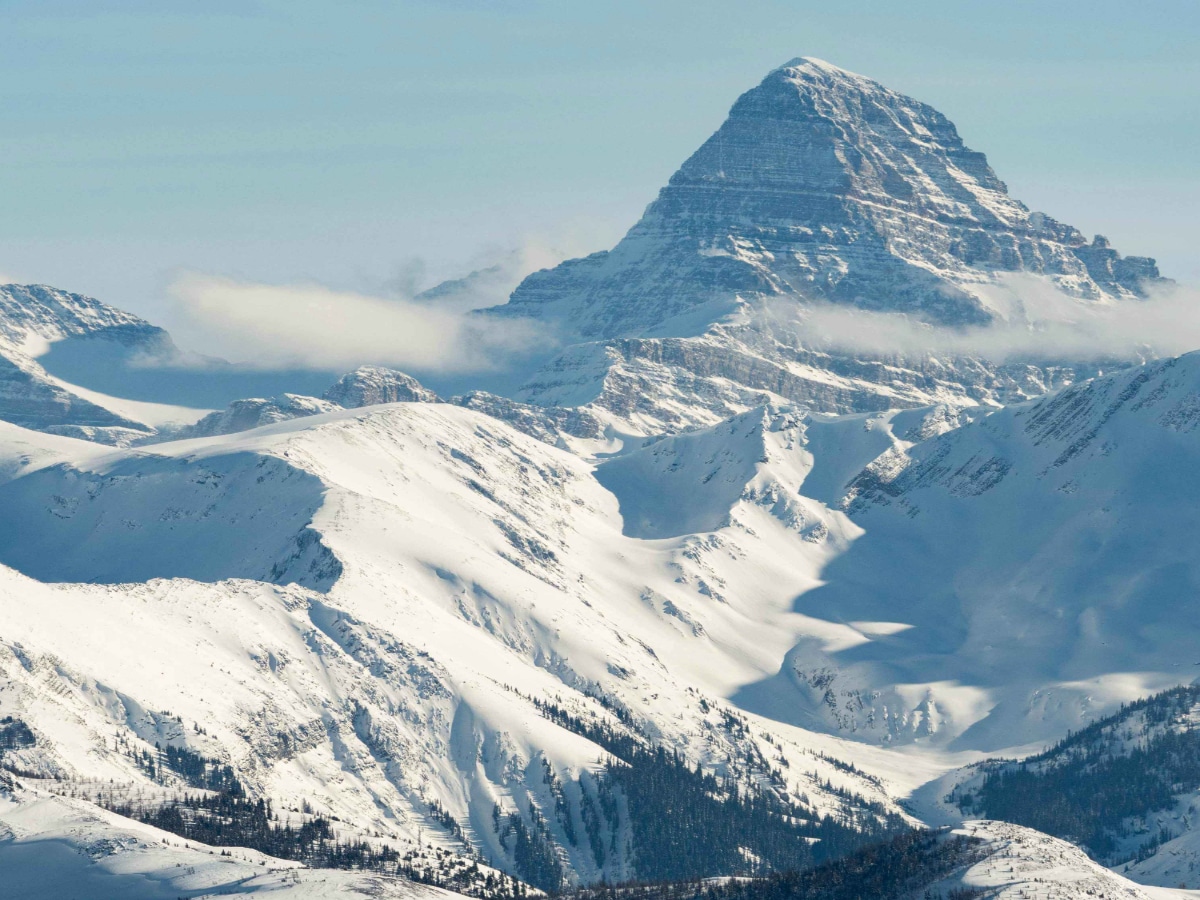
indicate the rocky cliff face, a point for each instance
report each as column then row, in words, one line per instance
column 823, row 184
column 824, row 187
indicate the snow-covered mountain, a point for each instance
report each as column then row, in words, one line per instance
column 707, row 597
column 1037, row 563
column 704, row 578
column 822, row 187
column 681, row 588
column 449, row 574
column 32, row 317
column 822, row 184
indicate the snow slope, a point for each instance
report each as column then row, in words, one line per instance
column 419, row 573
column 53, row 848
column 446, row 571
column 1026, row 864
column 771, row 456
column 1039, row 561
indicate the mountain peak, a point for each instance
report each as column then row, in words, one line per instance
column 814, row 65
column 822, row 185
column 33, row 315
column 878, row 134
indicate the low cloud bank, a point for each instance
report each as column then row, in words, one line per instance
column 439, row 329
column 310, row 326
column 1034, row 321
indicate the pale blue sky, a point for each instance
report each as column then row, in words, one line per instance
column 284, row 141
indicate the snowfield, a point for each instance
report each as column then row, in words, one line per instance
column 362, row 606
column 1041, row 555
column 1026, row 864
column 454, row 571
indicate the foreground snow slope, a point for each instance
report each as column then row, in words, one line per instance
column 380, row 595
column 53, row 848
column 1026, row 864
column 445, row 571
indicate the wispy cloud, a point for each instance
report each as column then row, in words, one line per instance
column 493, row 274
column 1034, row 322
column 311, row 326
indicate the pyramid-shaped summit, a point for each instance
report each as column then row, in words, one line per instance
column 822, row 185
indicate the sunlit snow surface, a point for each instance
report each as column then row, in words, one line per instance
column 55, row 849
column 453, row 570
column 434, row 570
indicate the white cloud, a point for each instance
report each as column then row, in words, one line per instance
column 310, row 326
column 1034, row 321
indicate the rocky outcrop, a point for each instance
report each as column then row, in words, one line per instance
column 372, row 385
column 666, row 385
column 1115, row 273
column 365, row 386
column 546, row 423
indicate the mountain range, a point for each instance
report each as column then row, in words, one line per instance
column 710, row 594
